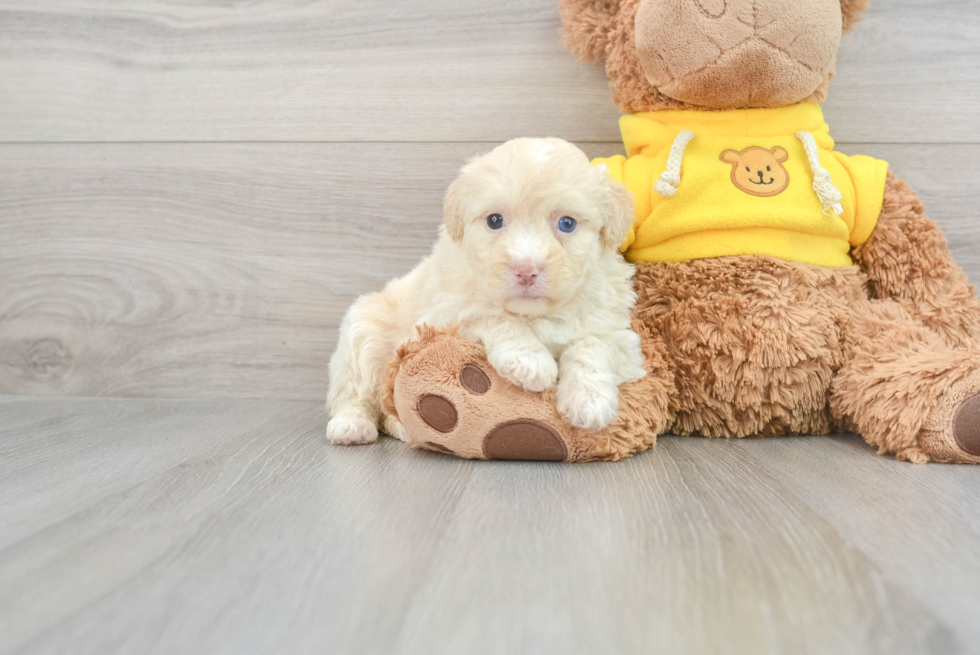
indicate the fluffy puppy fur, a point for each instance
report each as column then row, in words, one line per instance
column 552, row 306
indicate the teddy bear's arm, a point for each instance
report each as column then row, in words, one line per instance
column 908, row 260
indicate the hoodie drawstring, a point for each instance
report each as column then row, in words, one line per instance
column 670, row 179
column 830, row 196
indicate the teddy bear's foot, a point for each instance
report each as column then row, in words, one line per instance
column 471, row 414
column 951, row 433
column 449, row 399
column 966, row 425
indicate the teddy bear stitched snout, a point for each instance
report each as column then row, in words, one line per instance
column 712, row 8
column 737, row 53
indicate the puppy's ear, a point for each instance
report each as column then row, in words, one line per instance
column 587, row 26
column 620, row 212
column 452, row 211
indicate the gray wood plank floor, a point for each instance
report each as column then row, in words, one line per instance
column 224, row 526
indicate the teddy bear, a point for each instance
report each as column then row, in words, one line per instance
column 784, row 288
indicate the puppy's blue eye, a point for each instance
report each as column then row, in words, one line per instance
column 495, row 221
column 566, row 224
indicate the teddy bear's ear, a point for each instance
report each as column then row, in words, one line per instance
column 852, row 11
column 587, row 26
column 780, row 154
column 731, row 156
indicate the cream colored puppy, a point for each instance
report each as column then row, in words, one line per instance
column 528, row 264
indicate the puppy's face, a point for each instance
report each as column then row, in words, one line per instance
column 535, row 220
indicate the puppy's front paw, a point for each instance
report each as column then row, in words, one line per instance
column 533, row 370
column 590, row 406
column 351, row 431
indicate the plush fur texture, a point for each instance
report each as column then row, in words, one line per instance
column 852, row 11
column 542, row 300
column 753, row 342
column 750, row 345
column 908, row 260
column 913, row 353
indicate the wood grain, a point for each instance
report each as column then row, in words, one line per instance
column 412, row 70
column 217, row 270
column 264, row 539
column 60, row 458
column 234, row 261
column 918, row 524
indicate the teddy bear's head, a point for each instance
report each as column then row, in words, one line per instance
column 711, row 54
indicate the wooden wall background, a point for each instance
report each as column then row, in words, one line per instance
column 191, row 194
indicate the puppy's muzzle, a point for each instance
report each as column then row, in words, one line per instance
column 526, row 274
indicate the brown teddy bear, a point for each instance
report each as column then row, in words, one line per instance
column 784, row 288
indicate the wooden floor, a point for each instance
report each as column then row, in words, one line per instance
column 229, row 526
column 191, row 194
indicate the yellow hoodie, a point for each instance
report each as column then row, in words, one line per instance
column 745, row 182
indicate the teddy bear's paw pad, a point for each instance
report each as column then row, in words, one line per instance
column 525, row 439
column 438, row 447
column 966, row 425
column 474, row 379
column 438, row 413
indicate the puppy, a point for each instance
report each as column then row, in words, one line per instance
column 528, row 264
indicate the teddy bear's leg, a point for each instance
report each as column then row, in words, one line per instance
column 905, row 389
column 907, row 260
column 449, row 399
column 913, row 374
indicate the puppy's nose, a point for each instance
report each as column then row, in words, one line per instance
column 526, row 272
